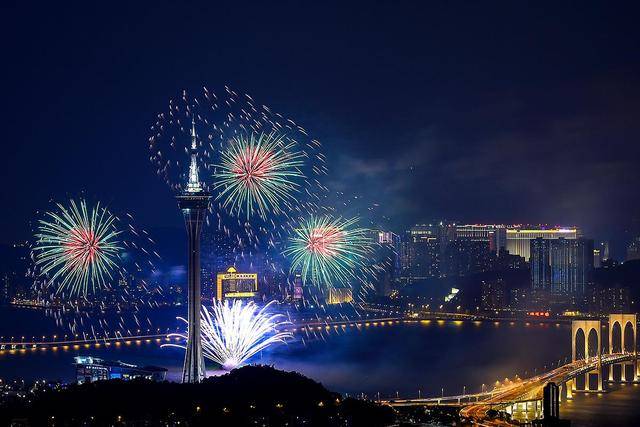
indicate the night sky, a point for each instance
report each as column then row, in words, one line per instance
column 480, row 112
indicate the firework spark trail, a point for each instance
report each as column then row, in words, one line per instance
column 328, row 251
column 258, row 172
column 232, row 333
column 79, row 246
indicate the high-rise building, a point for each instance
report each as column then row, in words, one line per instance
column 443, row 232
column 597, row 258
column 518, row 238
column 493, row 296
column 561, row 266
column 540, row 253
column 582, row 266
column 463, row 257
column 386, row 256
column 494, row 235
column 194, row 203
column 609, row 299
column 217, row 254
column 420, row 257
column 633, row 250
column 604, row 251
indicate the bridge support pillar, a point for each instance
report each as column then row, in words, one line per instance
column 611, row 373
column 624, row 377
column 561, row 388
column 600, row 378
column 587, row 382
column 569, row 385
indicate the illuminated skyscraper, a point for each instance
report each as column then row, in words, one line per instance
column 540, row 264
column 420, row 257
column 518, row 238
column 597, row 258
column 561, row 266
column 193, row 202
column 494, row 235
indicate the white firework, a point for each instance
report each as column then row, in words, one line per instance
column 232, row 333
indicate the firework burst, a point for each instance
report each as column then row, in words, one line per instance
column 257, row 163
column 258, row 173
column 328, row 251
column 77, row 247
column 232, row 333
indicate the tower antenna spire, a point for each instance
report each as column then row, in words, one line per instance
column 193, row 132
column 193, row 186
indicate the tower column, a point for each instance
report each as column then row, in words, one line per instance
column 194, row 203
column 193, row 370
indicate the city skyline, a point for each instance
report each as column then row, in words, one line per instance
column 338, row 213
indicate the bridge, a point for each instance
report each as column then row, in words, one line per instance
column 522, row 400
column 20, row 345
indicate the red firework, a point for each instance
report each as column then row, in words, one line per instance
column 325, row 240
column 82, row 246
column 252, row 165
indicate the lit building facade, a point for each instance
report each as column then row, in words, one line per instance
column 518, row 239
column 494, row 235
column 540, row 264
column 420, row 258
column 561, row 266
column 493, row 295
column 610, row 300
column 236, row 285
column 217, row 254
column 597, row 258
column 463, row 257
column 387, row 257
column 91, row 369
